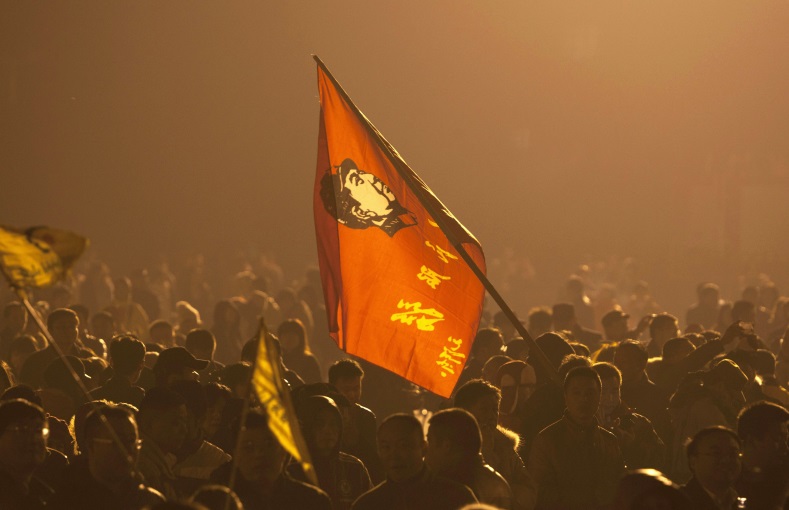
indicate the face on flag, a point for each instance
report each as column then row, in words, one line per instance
column 398, row 293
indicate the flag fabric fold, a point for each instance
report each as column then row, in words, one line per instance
column 38, row 256
column 398, row 293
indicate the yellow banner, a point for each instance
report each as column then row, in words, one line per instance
column 39, row 256
column 270, row 389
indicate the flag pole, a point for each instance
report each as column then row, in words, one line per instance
column 418, row 189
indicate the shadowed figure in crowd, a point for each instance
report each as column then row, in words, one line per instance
column 575, row 462
column 343, row 477
column 261, row 482
column 454, row 450
column 106, row 476
column 409, row 484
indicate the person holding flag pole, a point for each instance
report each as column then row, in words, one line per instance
column 268, row 432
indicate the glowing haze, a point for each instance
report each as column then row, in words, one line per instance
column 567, row 131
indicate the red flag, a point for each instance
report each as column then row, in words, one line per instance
column 398, row 293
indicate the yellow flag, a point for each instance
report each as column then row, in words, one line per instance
column 270, row 389
column 39, row 256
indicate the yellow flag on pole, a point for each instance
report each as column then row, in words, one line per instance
column 38, row 256
column 269, row 386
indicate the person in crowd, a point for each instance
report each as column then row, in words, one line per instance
column 616, row 329
column 197, row 458
column 409, row 484
column 649, row 489
column 18, row 351
column 358, row 422
column 713, row 456
column 493, row 365
column 539, row 321
column 163, row 421
column 14, row 324
column 681, row 357
column 97, row 345
column 763, row 429
column 662, row 328
column 343, row 477
column 638, row 392
column 126, row 357
column 129, row 315
column 499, row 445
column 705, row 311
column 162, row 332
column 202, row 344
column 517, row 381
column 226, row 330
column 546, row 403
column 639, row 443
column 177, row 364
column 63, row 325
column 575, row 293
column 564, row 318
column 106, row 476
column 704, row 399
column 488, row 342
column 575, row 462
column 454, row 451
column 23, row 448
column 64, row 387
column 219, row 416
column 188, row 318
column 103, row 326
column 236, row 376
column 296, row 351
column 262, row 483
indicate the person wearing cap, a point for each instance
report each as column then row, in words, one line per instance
column 177, row 364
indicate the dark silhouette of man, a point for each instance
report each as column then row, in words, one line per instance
column 106, row 476
column 261, row 481
column 763, row 428
column 714, row 459
column 63, row 325
column 575, row 462
column 409, row 484
column 454, row 450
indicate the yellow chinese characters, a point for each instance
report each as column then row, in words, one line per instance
column 441, row 252
column 431, row 277
column 450, row 358
column 425, row 317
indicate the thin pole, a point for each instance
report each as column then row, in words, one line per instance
column 407, row 175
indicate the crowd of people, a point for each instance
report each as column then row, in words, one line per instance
column 135, row 402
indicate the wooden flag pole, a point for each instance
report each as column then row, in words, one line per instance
column 438, row 217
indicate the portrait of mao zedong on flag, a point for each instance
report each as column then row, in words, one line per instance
column 359, row 199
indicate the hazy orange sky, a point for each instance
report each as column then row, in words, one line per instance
column 566, row 130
